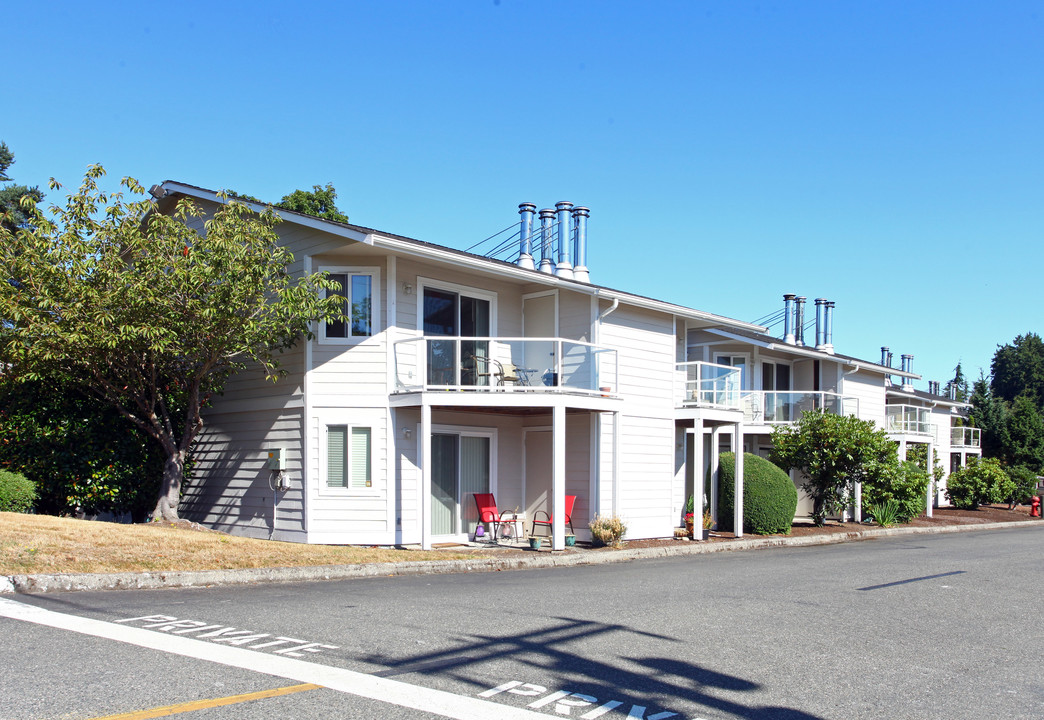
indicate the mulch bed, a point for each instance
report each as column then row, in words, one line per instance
column 940, row 516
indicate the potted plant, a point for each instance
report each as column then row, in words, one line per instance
column 689, row 523
column 535, row 542
column 707, row 522
column 570, row 540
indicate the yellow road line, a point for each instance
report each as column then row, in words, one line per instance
column 215, row 702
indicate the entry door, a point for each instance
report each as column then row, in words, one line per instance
column 460, row 467
column 539, row 472
column 539, row 321
column 451, row 314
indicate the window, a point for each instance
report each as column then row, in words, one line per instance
column 348, row 451
column 358, row 287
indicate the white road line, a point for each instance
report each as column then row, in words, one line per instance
column 394, row 692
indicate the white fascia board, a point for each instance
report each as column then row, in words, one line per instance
column 296, row 218
column 808, row 352
column 526, row 275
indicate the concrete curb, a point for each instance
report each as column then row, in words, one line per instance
column 68, row 582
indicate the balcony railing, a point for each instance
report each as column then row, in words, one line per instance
column 497, row 364
column 965, row 437
column 702, row 384
column 908, row 420
column 774, row 407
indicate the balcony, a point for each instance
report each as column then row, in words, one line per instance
column 513, row 365
column 908, row 420
column 777, row 407
column 965, row 437
column 702, row 384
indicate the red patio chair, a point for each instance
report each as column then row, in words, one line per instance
column 488, row 513
column 570, row 500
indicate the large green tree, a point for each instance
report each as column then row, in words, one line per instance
column 11, row 195
column 1018, row 369
column 149, row 311
column 319, row 201
column 832, row 452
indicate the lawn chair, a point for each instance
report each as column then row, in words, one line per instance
column 570, row 500
column 488, row 513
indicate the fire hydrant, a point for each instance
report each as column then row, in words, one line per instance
column 1035, row 506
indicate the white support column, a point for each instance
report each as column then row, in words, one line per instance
column 857, row 502
column 558, row 464
column 695, row 436
column 738, row 494
column 425, row 462
column 715, row 467
column 617, row 418
column 928, row 458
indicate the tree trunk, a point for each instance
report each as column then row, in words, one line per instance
column 819, row 512
column 170, row 490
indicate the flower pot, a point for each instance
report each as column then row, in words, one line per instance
column 535, row 543
column 702, row 534
column 570, row 540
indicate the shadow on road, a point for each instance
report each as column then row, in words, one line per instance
column 653, row 688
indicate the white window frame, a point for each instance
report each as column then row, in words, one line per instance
column 347, row 491
column 374, row 274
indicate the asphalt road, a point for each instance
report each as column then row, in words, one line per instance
column 943, row 626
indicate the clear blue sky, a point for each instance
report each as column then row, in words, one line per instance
column 884, row 155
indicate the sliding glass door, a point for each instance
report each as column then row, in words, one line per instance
column 460, row 468
column 454, row 315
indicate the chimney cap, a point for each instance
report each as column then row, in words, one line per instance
column 581, row 210
column 526, row 207
column 563, row 205
column 789, row 296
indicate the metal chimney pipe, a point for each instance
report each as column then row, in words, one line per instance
column 580, row 215
column 828, row 321
column 525, row 236
column 799, row 320
column 907, row 367
column 819, row 323
column 884, row 356
column 906, row 362
column 564, row 268
column 547, row 264
column 788, row 318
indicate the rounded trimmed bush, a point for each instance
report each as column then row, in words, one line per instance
column 17, row 493
column 769, row 496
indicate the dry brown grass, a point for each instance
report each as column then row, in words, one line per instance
column 46, row 544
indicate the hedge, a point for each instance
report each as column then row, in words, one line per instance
column 769, row 496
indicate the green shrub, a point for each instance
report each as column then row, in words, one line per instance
column 17, row 493
column 982, row 481
column 1024, row 483
column 607, row 530
column 884, row 513
column 904, row 482
column 769, row 496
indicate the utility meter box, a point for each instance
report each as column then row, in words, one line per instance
column 277, row 459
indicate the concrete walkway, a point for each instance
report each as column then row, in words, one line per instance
column 66, row 582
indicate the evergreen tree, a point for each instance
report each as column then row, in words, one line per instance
column 958, row 385
column 991, row 415
column 1018, row 369
column 11, row 211
column 1025, row 435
